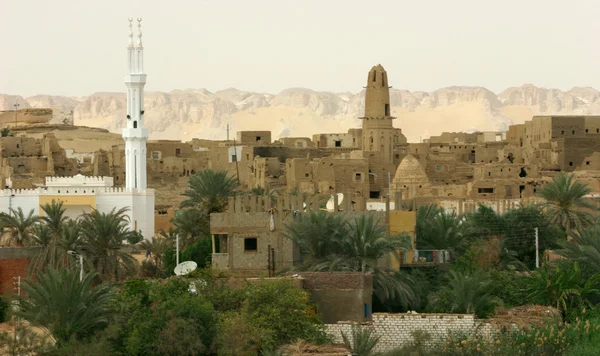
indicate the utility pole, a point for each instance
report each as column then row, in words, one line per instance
column 537, row 249
column 227, row 132
column 177, row 249
column 16, row 111
column 18, row 278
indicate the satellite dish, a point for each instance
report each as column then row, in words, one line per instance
column 185, row 267
column 330, row 204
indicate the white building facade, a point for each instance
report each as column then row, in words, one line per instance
column 81, row 194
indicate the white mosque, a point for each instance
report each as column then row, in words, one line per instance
column 81, row 194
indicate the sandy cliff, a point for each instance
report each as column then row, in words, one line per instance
column 184, row 114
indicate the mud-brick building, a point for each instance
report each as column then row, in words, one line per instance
column 249, row 239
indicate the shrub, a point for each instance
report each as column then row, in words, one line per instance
column 284, row 312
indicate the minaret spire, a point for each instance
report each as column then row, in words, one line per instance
column 135, row 134
column 130, row 32
column 139, row 41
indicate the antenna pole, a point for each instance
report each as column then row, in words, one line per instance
column 227, row 132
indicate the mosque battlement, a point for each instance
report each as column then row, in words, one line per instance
column 19, row 192
column 79, row 180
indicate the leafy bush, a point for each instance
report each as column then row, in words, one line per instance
column 283, row 311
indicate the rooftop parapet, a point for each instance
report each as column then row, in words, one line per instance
column 79, row 180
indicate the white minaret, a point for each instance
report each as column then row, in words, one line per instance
column 135, row 134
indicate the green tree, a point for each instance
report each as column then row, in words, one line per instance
column 465, row 292
column 317, row 235
column 64, row 306
column 154, row 315
column 209, row 190
column 104, row 234
column 563, row 287
column 54, row 216
column 190, row 224
column 566, row 204
column 584, row 247
column 283, row 311
column 19, row 226
column 437, row 229
column 333, row 244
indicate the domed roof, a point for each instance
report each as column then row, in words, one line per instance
column 410, row 169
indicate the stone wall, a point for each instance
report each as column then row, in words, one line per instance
column 396, row 330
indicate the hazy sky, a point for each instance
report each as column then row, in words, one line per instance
column 77, row 47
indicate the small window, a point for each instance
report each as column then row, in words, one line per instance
column 587, row 130
column 358, row 177
column 587, row 163
column 306, row 175
column 374, row 76
column 573, row 132
column 562, row 132
column 258, row 138
column 155, row 155
column 178, row 152
column 339, row 143
column 234, row 158
column 571, row 164
column 397, row 156
column 17, row 145
column 250, row 244
column 135, row 124
column 597, row 130
column 485, row 190
column 299, row 144
column 247, row 156
column 438, row 168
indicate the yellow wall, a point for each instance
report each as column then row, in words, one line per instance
column 402, row 222
column 69, row 200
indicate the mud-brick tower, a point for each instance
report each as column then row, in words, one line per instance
column 383, row 144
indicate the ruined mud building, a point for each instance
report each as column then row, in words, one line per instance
column 456, row 170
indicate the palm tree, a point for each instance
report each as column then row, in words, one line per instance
column 584, row 247
column 190, row 224
column 437, row 229
column 104, row 234
column 334, row 244
column 18, row 226
column 65, row 307
column 54, row 216
column 317, row 235
column 465, row 292
column 566, row 204
column 209, row 190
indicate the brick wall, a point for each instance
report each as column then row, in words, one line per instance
column 13, row 263
column 396, row 330
column 10, row 268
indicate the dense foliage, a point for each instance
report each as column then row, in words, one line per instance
column 493, row 267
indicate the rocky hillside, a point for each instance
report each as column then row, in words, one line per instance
column 183, row 114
